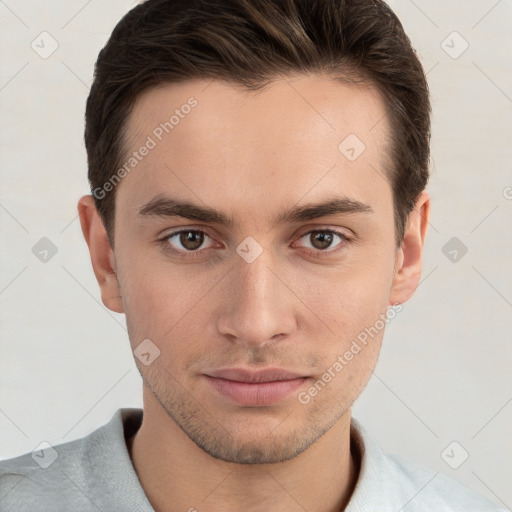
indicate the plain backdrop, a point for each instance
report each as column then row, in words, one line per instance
column 444, row 374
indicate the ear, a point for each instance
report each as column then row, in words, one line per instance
column 409, row 259
column 102, row 256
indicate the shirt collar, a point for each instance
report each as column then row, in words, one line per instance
column 380, row 485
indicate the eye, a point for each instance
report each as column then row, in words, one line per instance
column 191, row 242
column 322, row 239
column 184, row 241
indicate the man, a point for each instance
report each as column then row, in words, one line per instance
column 258, row 173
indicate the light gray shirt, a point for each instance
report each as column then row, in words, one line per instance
column 95, row 474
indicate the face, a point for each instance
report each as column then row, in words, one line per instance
column 253, row 273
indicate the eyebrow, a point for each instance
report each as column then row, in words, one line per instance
column 166, row 207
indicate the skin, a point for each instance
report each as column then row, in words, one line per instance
column 252, row 156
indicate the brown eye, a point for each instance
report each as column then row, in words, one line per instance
column 321, row 239
column 184, row 241
column 191, row 240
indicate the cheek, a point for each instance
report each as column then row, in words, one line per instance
column 158, row 298
column 356, row 315
column 349, row 298
column 353, row 304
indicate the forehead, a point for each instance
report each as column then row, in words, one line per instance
column 211, row 137
column 311, row 104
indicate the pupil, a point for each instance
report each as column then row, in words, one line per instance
column 187, row 240
column 325, row 240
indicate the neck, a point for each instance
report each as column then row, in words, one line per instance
column 177, row 475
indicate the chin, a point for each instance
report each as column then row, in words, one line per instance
column 251, row 452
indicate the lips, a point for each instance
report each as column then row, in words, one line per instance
column 254, row 388
column 265, row 375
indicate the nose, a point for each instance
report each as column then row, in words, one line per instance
column 258, row 305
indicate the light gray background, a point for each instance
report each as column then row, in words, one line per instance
column 444, row 371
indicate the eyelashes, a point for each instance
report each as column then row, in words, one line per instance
column 198, row 252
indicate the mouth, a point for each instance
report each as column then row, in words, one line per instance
column 255, row 388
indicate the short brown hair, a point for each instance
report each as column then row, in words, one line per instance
column 251, row 42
